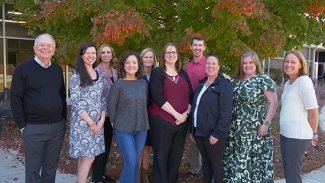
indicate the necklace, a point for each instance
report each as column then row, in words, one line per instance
column 171, row 72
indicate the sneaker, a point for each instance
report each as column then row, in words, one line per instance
column 108, row 179
column 188, row 175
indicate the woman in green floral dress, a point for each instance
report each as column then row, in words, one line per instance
column 249, row 149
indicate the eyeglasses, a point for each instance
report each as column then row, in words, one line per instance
column 171, row 53
column 45, row 45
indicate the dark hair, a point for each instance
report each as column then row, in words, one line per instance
column 122, row 60
column 215, row 56
column 303, row 70
column 162, row 58
column 99, row 52
column 85, row 79
column 198, row 38
column 240, row 71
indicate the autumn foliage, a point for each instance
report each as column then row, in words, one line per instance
column 229, row 26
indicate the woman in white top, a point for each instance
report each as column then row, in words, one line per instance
column 298, row 117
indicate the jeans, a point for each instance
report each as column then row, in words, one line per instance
column 130, row 146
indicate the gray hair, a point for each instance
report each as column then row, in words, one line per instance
column 45, row 34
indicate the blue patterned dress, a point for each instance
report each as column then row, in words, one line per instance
column 82, row 142
column 248, row 157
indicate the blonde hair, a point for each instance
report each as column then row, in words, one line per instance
column 99, row 51
column 154, row 56
column 303, row 70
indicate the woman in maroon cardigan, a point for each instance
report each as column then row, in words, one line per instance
column 171, row 92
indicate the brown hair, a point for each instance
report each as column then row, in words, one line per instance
column 303, row 70
column 240, row 72
column 162, row 58
column 121, row 71
column 198, row 38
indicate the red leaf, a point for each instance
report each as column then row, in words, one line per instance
column 131, row 27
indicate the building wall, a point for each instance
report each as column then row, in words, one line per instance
column 315, row 64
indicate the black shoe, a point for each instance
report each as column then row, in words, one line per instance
column 188, row 175
column 108, row 179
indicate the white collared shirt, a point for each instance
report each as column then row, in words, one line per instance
column 198, row 103
column 41, row 63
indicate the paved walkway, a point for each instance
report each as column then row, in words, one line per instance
column 12, row 171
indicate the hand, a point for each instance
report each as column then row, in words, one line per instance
column 99, row 126
column 314, row 140
column 213, row 140
column 192, row 138
column 185, row 114
column 93, row 127
column 263, row 130
column 22, row 130
column 180, row 118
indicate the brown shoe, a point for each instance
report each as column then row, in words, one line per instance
column 145, row 175
column 140, row 175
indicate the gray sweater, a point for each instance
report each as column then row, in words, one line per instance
column 128, row 105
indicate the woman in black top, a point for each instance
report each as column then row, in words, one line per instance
column 171, row 92
column 212, row 108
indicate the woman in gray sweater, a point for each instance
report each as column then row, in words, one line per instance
column 128, row 112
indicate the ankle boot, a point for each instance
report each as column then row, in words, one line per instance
column 140, row 175
column 145, row 175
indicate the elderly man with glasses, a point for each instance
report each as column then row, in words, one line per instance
column 38, row 102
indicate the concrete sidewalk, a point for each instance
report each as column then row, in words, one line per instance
column 12, row 171
column 316, row 176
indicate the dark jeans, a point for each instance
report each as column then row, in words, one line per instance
column 42, row 148
column 168, row 143
column 99, row 164
column 212, row 156
column 293, row 151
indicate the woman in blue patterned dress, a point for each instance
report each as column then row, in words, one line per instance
column 249, row 150
column 88, row 111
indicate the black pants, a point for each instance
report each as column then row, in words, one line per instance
column 293, row 151
column 42, row 148
column 212, row 156
column 168, row 143
column 99, row 164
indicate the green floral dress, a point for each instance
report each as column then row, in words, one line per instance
column 249, row 157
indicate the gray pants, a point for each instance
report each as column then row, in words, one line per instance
column 195, row 157
column 293, row 151
column 42, row 147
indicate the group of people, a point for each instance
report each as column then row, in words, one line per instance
column 143, row 105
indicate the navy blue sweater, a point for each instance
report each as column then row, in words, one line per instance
column 37, row 95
